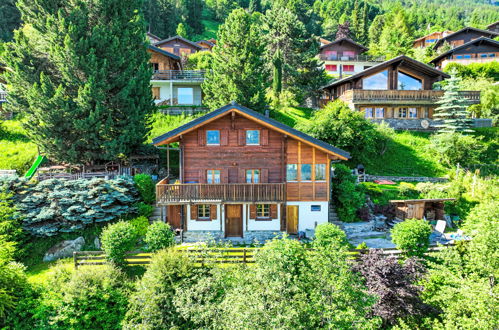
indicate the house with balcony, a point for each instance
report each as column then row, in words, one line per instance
column 344, row 57
column 179, row 46
column 174, row 89
column 479, row 50
column 430, row 39
column 398, row 91
column 462, row 37
column 245, row 175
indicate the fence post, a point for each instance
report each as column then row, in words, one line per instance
column 75, row 259
column 244, row 255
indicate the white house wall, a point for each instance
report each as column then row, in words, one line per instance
column 165, row 90
column 214, row 224
column 260, row 225
column 308, row 219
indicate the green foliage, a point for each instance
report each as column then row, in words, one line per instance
column 474, row 70
column 141, row 226
column 238, row 69
column 152, row 304
column 181, row 30
column 412, row 236
column 452, row 108
column 146, row 187
column 455, row 148
column 162, row 123
column 10, row 224
column 117, row 239
column 84, row 298
column 348, row 197
column 159, row 236
column 144, row 210
column 16, row 150
column 10, row 19
column 81, row 104
column 53, row 206
column 200, row 61
column 328, row 235
column 345, row 129
column 382, row 194
column 396, row 38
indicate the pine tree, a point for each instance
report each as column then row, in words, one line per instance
column 396, row 38
column 452, row 110
column 356, row 24
column 10, row 19
column 81, row 77
column 277, row 77
column 181, row 30
column 254, row 6
column 238, row 68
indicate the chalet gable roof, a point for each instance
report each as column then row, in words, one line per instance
column 422, row 67
column 446, row 32
column 466, row 29
column 492, row 25
column 347, row 40
column 163, row 52
column 173, row 135
column 479, row 41
column 193, row 44
column 153, row 36
column 205, row 41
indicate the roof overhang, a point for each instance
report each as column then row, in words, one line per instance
column 466, row 29
column 478, row 41
column 347, row 40
column 195, row 45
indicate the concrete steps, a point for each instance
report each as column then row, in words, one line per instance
column 156, row 215
column 332, row 216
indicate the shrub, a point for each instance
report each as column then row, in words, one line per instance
column 141, row 225
column 145, row 186
column 88, row 297
column 456, row 148
column 412, row 236
column 159, row 236
column 144, row 210
column 407, row 189
column 330, row 235
column 152, row 304
column 59, row 206
column 10, row 225
column 338, row 125
column 118, row 239
column 347, row 195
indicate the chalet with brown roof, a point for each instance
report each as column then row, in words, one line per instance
column 245, row 175
column 179, row 46
column 479, row 50
column 464, row 36
column 344, row 57
column 152, row 38
column 398, row 91
column 206, row 44
column 430, row 39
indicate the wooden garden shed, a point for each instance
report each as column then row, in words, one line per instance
column 430, row 209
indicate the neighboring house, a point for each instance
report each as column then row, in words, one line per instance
column 463, row 36
column 3, row 93
column 345, row 57
column 494, row 27
column 398, row 91
column 179, row 46
column 475, row 51
column 178, row 89
column 430, row 39
column 206, row 44
column 152, row 38
column 324, row 41
column 245, row 175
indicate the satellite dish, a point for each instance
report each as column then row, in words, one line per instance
column 425, row 123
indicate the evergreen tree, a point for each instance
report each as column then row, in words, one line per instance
column 238, row 68
column 452, row 108
column 81, row 78
column 356, row 22
column 301, row 73
column 277, row 77
column 396, row 38
column 343, row 30
column 10, row 19
column 254, row 6
column 181, row 30
column 375, row 33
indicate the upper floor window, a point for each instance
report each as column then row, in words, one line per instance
column 252, row 137
column 155, row 66
column 252, row 176
column 348, row 68
column 407, row 82
column 213, row 138
column 185, row 96
column 204, row 211
column 320, row 172
column 291, row 172
column 213, row 176
column 376, row 81
column 306, row 172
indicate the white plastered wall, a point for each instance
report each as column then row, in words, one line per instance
column 308, row 219
column 261, row 225
column 193, row 224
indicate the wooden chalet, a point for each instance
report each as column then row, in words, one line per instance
column 463, row 36
column 398, row 91
column 430, row 39
column 152, row 38
column 429, row 209
column 344, row 57
column 243, row 174
column 179, row 46
column 479, row 50
column 494, row 27
column 206, row 44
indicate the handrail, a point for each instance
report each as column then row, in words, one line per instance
column 179, row 74
column 358, row 58
column 234, row 192
column 432, row 95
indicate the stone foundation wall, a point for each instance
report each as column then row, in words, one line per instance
column 368, row 177
column 192, row 236
column 408, row 124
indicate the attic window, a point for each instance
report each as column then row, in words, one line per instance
column 407, row 82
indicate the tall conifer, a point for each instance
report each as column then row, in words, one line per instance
column 80, row 75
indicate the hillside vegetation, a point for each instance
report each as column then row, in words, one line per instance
column 16, row 150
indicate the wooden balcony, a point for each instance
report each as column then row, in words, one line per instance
column 352, row 58
column 218, row 193
column 363, row 96
column 186, row 75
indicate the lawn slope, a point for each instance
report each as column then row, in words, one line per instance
column 16, row 150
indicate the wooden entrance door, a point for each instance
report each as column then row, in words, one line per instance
column 174, row 216
column 292, row 219
column 233, row 220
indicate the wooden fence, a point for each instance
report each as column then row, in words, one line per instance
column 203, row 257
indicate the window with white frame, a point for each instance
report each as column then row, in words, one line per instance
column 213, row 176
column 380, row 113
column 368, row 112
column 402, row 113
column 252, row 176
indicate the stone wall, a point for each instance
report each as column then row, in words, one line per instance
column 262, row 236
column 368, row 177
column 408, row 124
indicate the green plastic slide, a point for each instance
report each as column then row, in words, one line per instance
column 38, row 161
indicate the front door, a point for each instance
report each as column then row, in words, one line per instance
column 233, row 220
column 292, row 219
column 174, row 216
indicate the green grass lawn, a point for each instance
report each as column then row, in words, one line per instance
column 291, row 116
column 210, row 27
column 16, row 150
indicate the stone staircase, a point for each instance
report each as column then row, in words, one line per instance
column 156, row 215
column 332, row 216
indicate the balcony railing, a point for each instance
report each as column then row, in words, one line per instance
column 430, row 96
column 352, row 58
column 192, row 75
column 229, row 192
column 3, row 96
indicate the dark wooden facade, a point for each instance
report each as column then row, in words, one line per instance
column 429, row 209
column 430, row 39
column 341, row 48
column 178, row 46
column 463, row 36
column 161, row 61
column 476, row 51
